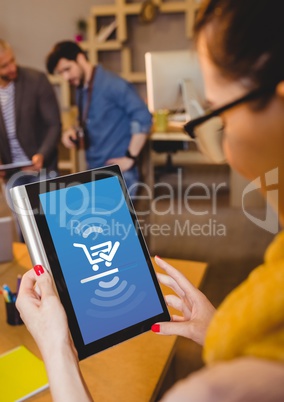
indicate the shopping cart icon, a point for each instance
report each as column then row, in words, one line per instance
column 99, row 253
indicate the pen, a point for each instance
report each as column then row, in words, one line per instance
column 6, row 296
column 9, row 294
column 19, row 278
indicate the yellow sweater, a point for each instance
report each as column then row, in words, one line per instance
column 250, row 321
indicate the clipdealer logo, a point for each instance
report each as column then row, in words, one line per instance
column 270, row 184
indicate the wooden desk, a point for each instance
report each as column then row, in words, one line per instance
column 129, row 372
column 182, row 157
column 173, row 133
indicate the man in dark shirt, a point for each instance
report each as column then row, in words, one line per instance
column 30, row 124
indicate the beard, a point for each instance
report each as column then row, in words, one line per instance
column 76, row 82
column 78, row 78
column 7, row 78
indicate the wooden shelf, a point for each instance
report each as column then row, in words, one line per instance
column 120, row 10
column 135, row 78
column 84, row 45
column 177, row 7
column 134, row 8
column 102, row 11
column 64, row 90
column 108, row 45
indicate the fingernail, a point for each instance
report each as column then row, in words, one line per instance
column 38, row 270
column 155, row 328
column 157, row 256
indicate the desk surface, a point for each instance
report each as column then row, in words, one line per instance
column 131, row 371
column 173, row 133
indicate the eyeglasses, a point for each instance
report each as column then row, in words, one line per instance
column 189, row 127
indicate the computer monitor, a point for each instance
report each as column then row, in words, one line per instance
column 174, row 82
column 166, row 73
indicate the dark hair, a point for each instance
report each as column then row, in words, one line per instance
column 245, row 38
column 62, row 50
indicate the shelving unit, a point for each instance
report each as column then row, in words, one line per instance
column 63, row 89
column 67, row 158
column 120, row 10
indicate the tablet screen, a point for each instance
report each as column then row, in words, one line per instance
column 111, row 287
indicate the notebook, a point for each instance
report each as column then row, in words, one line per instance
column 22, row 375
column 15, row 165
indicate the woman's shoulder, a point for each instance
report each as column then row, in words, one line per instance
column 275, row 251
column 251, row 312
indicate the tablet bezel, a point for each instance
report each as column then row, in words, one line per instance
column 33, row 191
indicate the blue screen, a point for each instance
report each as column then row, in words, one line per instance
column 101, row 258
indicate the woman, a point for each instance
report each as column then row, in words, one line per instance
column 240, row 49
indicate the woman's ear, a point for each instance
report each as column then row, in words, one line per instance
column 280, row 89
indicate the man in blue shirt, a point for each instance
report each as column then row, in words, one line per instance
column 114, row 118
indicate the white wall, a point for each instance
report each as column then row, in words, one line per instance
column 33, row 26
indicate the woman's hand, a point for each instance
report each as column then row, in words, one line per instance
column 196, row 309
column 45, row 318
column 42, row 311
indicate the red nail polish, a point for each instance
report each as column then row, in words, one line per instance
column 158, row 257
column 38, row 270
column 155, row 328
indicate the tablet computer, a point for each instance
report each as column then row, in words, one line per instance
column 16, row 165
column 83, row 228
